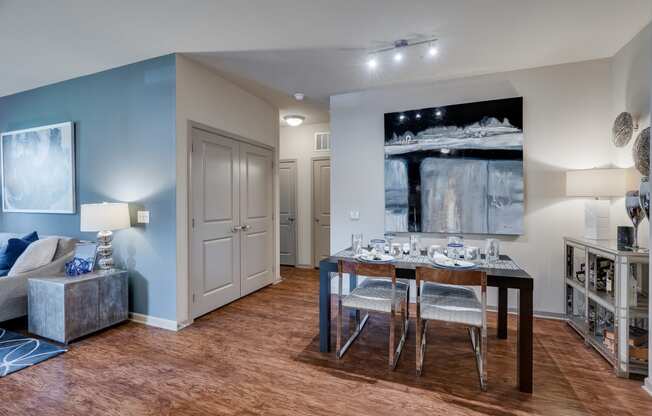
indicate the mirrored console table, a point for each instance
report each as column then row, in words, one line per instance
column 606, row 295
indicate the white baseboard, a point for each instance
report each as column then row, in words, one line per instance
column 156, row 322
column 304, row 266
column 647, row 385
column 536, row 314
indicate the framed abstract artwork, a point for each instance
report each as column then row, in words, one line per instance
column 38, row 169
column 455, row 169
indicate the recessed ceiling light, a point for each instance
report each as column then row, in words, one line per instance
column 445, row 151
column 298, row 96
column 438, row 113
column 432, row 51
column 398, row 57
column 401, row 117
column 372, row 63
column 418, row 115
column 294, row 120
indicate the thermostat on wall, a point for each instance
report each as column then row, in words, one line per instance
column 143, row 217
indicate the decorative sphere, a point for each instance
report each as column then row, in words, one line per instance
column 623, row 129
column 641, row 152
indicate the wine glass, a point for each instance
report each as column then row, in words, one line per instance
column 492, row 250
column 356, row 243
column 635, row 212
column 644, row 195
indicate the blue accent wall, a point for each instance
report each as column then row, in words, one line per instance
column 125, row 151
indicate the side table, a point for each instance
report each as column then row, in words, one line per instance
column 64, row 308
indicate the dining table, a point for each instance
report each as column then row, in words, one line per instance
column 504, row 274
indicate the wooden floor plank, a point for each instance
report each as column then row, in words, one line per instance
column 259, row 356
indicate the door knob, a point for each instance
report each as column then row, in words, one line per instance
column 245, row 227
column 290, row 218
column 236, row 228
column 316, row 219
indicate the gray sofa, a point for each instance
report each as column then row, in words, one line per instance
column 13, row 289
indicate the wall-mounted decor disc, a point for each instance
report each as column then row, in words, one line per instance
column 623, row 129
column 641, row 152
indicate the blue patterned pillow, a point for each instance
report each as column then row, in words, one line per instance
column 13, row 250
column 31, row 237
column 4, row 272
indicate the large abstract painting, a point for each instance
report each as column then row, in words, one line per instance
column 38, row 169
column 455, row 169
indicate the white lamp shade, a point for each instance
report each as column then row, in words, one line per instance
column 598, row 182
column 104, row 217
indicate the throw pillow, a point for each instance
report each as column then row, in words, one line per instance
column 3, row 272
column 31, row 237
column 15, row 247
column 37, row 254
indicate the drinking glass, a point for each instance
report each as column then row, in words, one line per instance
column 396, row 250
column 455, row 247
column 377, row 245
column 492, row 250
column 433, row 250
column 471, row 254
column 356, row 243
column 415, row 247
column 389, row 238
column 406, row 248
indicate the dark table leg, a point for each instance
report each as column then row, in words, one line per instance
column 325, row 269
column 525, row 335
column 502, row 313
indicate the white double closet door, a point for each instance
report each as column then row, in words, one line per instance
column 232, row 241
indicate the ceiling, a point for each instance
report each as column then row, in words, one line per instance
column 317, row 48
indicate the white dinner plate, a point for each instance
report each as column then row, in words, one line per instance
column 454, row 264
column 378, row 258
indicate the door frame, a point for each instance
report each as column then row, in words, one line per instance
column 201, row 126
column 313, row 236
column 296, row 205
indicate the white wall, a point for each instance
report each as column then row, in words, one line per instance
column 205, row 97
column 298, row 143
column 567, row 125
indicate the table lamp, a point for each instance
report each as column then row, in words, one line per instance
column 104, row 218
column 597, row 184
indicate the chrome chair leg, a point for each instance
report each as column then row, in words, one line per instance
column 479, row 349
column 358, row 330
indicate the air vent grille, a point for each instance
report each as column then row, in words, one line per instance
column 322, row 142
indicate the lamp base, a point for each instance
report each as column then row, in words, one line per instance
column 596, row 219
column 105, row 250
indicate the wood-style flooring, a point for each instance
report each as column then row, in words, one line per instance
column 259, row 356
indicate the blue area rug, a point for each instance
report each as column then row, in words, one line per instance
column 18, row 351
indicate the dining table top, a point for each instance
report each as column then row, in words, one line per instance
column 409, row 264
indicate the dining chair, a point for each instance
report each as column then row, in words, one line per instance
column 443, row 295
column 379, row 292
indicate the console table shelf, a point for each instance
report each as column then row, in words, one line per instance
column 607, row 295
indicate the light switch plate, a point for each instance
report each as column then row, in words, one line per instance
column 354, row 215
column 143, row 217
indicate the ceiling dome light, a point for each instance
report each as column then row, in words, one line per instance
column 432, row 51
column 398, row 57
column 294, row 120
column 299, row 96
column 372, row 63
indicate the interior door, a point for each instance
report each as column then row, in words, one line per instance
column 287, row 177
column 321, row 206
column 256, row 211
column 215, row 252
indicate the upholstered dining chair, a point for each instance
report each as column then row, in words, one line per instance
column 379, row 292
column 444, row 295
